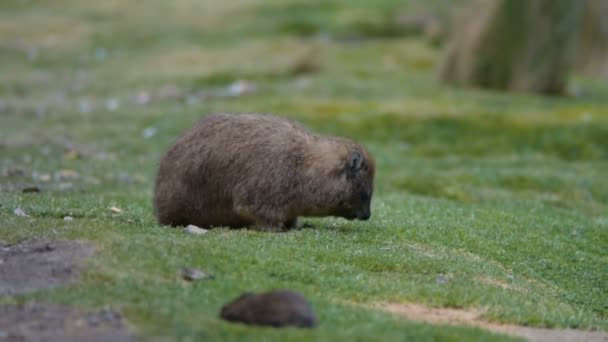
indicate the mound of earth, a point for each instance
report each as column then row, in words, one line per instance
column 38, row 263
column 56, row 323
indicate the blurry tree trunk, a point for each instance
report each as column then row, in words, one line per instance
column 592, row 55
column 520, row 45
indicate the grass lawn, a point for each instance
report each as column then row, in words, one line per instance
column 483, row 200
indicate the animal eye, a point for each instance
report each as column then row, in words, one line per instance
column 355, row 161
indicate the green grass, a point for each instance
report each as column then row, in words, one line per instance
column 503, row 195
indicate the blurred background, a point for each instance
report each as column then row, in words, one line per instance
column 120, row 80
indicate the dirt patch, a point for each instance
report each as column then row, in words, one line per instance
column 38, row 264
column 41, row 322
column 471, row 317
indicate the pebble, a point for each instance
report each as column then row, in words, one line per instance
column 192, row 229
column 192, row 274
column 142, row 97
column 240, row 87
column 30, row 188
column 45, row 177
column 441, row 279
column 116, row 210
column 112, row 104
column 149, row 132
column 20, row 212
column 101, row 53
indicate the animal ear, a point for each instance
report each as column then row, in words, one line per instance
column 355, row 161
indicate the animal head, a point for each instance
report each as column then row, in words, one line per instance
column 348, row 181
column 358, row 170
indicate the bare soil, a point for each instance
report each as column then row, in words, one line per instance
column 56, row 323
column 471, row 317
column 38, row 264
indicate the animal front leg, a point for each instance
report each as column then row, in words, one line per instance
column 291, row 223
column 265, row 219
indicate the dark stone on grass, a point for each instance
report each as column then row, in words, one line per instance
column 38, row 264
column 281, row 308
column 30, row 188
column 55, row 323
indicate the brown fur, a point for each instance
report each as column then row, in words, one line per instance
column 240, row 170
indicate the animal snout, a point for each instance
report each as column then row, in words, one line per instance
column 364, row 214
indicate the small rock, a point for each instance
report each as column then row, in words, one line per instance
column 275, row 308
column 441, row 279
column 192, row 274
column 68, row 218
column 45, row 177
column 93, row 320
column 116, row 210
column 66, row 174
column 149, row 132
column 30, row 188
column 142, row 97
column 240, row 87
column 303, row 82
column 101, row 54
column 112, row 104
column 20, row 212
column 192, row 229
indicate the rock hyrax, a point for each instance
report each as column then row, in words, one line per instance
column 279, row 308
column 240, row 170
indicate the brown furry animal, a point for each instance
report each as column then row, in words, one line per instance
column 275, row 308
column 239, row 170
